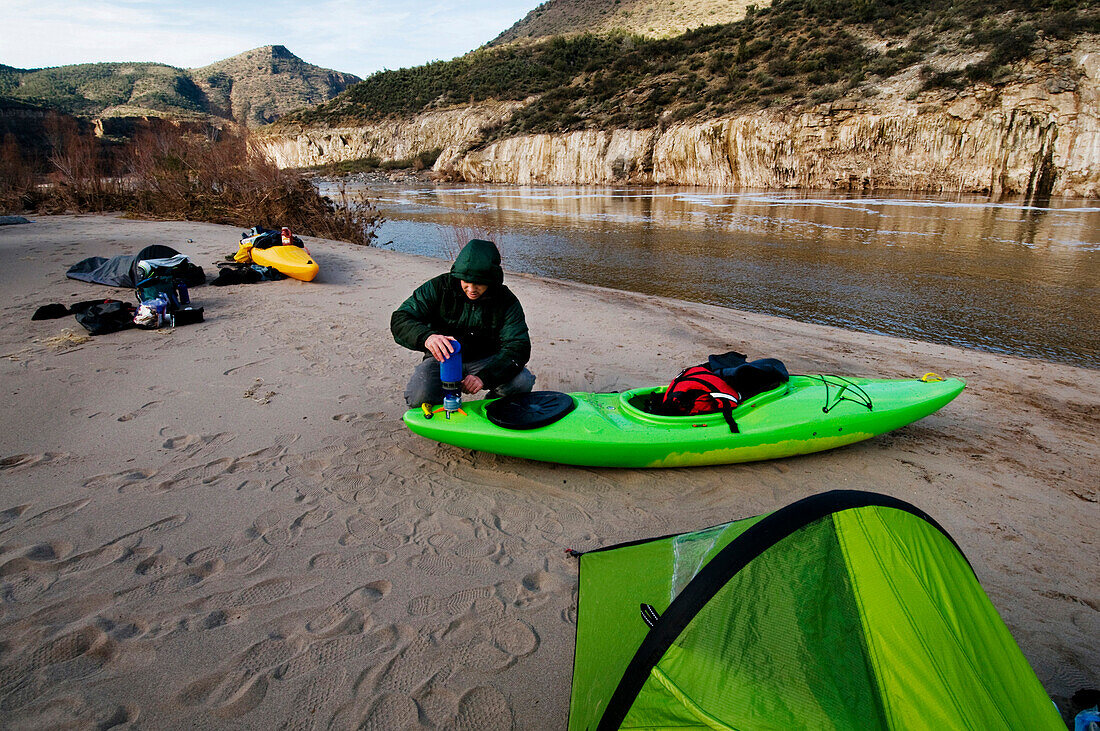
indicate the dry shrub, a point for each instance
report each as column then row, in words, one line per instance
column 171, row 172
column 79, row 173
column 17, row 178
column 220, row 177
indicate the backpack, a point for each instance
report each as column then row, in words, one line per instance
column 720, row 384
column 696, row 390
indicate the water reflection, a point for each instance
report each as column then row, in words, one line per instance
column 999, row 276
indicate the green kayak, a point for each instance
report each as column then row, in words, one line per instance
column 807, row 414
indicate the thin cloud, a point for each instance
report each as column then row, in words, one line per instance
column 355, row 36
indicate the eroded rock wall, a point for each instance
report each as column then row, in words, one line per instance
column 398, row 139
column 1033, row 138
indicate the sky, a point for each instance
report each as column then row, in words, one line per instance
column 353, row 36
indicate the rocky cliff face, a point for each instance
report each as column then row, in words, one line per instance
column 1038, row 138
column 452, row 129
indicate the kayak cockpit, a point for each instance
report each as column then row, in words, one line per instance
column 632, row 403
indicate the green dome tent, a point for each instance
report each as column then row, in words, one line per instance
column 846, row 610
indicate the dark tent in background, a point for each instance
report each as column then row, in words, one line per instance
column 846, row 610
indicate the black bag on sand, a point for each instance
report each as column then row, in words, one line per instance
column 100, row 317
column 51, row 312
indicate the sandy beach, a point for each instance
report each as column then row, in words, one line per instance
column 226, row 525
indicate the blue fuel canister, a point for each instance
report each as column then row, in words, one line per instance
column 450, row 373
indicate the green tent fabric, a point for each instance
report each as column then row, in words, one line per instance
column 846, row 610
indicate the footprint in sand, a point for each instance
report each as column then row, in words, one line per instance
column 139, row 411
column 434, row 564
column 358, row 562
column 182, row 442
column 157, row 565
column 120, row 481
column 52, row 516
column 23, row 461
column 24, row 587
column 455, row 604
column 483, row 709
column 415, row 680
column 242, row 683
column 380, row 530
column 264, row 592
column 77, row 711
column 340, row 652
column 278, row 529
column 241, row 555
column 313, row 706
column 85, row 414
column 350, row 611
column 234, row 369
column 73, row 657
column 481, row 641
column 37, row 558
column 173, row 583
column 392, row 712
column 12, row 514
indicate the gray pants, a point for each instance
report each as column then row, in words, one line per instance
column 425, row 388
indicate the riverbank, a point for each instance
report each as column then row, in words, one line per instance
column 227, row 522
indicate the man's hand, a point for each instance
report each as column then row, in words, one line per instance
column 472, row 384
column 440, row 346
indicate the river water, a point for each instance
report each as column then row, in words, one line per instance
column 1001, row 276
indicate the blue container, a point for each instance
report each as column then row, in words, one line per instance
column 450, row 370
column 450, row 373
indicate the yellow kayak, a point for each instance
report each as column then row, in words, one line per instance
column 261, row 246
column 293, row 261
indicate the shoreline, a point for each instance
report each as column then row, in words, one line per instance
column 401, row 176
column 228, row 521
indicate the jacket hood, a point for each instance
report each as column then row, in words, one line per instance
column 478, row 263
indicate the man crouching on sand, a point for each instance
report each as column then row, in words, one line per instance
column 470, row 305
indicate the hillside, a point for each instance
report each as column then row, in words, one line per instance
column 794, row 54
column 261, row 85
column 998, row 98
column 100, row 89
column 649, row 18
column 253, row 88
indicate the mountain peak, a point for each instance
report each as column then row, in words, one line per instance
column 650, row 18
column 261, row 54
column 259, row 86
column 253, row 88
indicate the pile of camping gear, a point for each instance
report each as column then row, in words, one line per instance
column 160, row 277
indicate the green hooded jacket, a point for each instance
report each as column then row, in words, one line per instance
column 492, row 326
